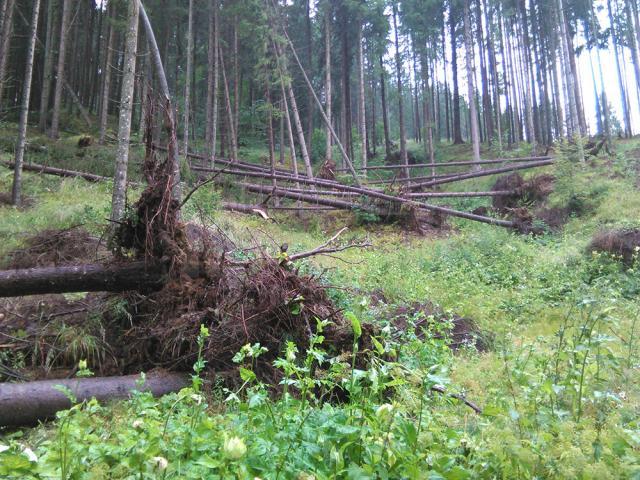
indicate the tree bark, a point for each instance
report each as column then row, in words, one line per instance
column 404, row 159
column 47, row 68
column 475, row 134
column 25, row 404
column 327, row 82
column 5, row 42
column 187, row 81
column 361, row 103
column 62, row 49
column 24, row 110
column 82, row 278
column 212, row 80
column 106, row 83
column 457, row 130
column 126, row 103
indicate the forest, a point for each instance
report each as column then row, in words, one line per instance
column 320, row 239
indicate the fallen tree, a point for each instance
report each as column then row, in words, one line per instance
column 448, row 164
column 23, row 404
column 482, row 173
column 60, row 172
column 142, row 276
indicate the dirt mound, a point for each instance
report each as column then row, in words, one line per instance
column 624, row 244
column 429, row 319
column 50, row 248
column 535, row 190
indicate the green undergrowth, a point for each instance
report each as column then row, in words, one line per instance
column 558, row 384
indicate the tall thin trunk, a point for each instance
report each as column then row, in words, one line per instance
column 475, row 133
column 126, row 106
column 327, row 82
column 236, row 87
column 362, row 111
column 404, row 159
column 457, row 130
column 623, row 90
column 385, row 110
column 5, row 42
column 106, row 84
column 24, row 110
column 62, row 49
column 48, row 67
column 309, row 42
column 231, row 124
column 212, row 80
column 187, row 82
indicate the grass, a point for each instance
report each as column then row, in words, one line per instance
column 559, row 385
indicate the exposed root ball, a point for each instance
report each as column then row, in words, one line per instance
column 535, row 190
column 621, row 243
column 50, row 248
column 263, row 302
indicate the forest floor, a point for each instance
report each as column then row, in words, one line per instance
column 557, row 374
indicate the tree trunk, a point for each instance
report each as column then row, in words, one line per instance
column 327, row 82
column 62, row 49
column 623, row 91
column 187, row 81
column 142, row 276
column 385, row 111
column 457, row 130
column 25, row 404
column 231, row 123
column 5, row 42
column 212, row 80
column 361, row 103
column 24, row 110
column 124, row 123
column 106, row 84
column 48, row 67
column 404, row 160
column 169, row 115
column 475, row 134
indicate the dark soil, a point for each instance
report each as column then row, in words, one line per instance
column 624, row 244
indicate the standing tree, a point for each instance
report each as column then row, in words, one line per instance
column 468, row 46
column 126, row 105
column 24, row 110
column 62, row 49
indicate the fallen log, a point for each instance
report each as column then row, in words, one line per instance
column 244, row 208
column 370, row 193
column 448, row 164
column 60, row 172
column 24, row 404
column 482, row 173
column 141, row 276
column 496, row 193
column 340, row 204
